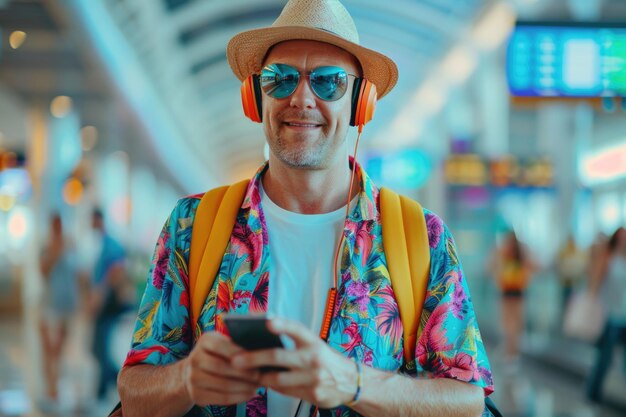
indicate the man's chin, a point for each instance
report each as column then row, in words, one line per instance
column 304, row 162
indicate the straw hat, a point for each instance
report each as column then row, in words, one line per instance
column 320, row 20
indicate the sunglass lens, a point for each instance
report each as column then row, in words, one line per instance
column 279, row 80
column 329, row 83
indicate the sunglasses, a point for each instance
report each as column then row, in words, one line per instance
column 281, row 80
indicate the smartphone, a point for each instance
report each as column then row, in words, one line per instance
column 251, row 333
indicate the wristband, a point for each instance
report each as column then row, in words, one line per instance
column 357, row 394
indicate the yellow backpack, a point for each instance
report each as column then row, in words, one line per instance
column 405, row 240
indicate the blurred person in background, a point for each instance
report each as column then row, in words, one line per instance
column 608, row 279
column 511, row 267
column 108, row 301
column 59, row 303
column 572, row 268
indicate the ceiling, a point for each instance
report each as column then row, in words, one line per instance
column 57, row 59
column 167, row 59
column 49, row 63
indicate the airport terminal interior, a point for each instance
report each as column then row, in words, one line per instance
column 508, row 120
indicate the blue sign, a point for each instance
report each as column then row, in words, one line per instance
column 407, row 169
column 567, row 61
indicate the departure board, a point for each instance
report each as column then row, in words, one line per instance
column 567, row 61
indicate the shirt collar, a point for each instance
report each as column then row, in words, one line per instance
column 366, row 208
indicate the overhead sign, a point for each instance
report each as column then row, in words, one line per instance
column 567, row 61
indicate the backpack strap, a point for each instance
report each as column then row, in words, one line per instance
column 212, row 226
column 405, row 241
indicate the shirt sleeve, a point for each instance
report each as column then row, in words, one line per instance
column 449, row 344
column 162, row 332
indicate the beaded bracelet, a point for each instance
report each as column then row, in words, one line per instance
column 357, row 394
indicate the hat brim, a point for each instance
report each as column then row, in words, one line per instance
column 246, row 51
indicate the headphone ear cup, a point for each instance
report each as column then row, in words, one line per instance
column 364, row 97
column 251, row 98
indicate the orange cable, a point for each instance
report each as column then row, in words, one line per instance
column 332, row 292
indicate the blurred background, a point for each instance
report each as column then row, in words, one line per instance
column 508, row 120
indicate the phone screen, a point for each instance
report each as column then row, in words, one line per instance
column 251, row 333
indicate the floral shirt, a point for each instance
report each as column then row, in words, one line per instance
column 366, row 323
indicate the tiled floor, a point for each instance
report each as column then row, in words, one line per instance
column 534, row 389
column 21, row 380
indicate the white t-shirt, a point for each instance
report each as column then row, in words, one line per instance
column 302, row 249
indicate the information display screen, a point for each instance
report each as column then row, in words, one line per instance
column 567, row 61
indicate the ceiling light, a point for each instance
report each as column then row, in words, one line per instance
column 17, row 38
column 60, row 106
column 72, row 191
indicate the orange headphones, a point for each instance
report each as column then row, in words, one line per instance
column 363, row 100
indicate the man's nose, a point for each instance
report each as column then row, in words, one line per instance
column 303, row 97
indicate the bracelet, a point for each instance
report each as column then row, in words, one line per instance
column 357, row 394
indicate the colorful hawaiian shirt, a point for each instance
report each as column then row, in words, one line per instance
column 366, row 323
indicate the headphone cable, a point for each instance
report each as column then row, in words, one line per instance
column 332, row 292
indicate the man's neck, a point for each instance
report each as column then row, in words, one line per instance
column 308, row 191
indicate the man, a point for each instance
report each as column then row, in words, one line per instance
column 280, row 257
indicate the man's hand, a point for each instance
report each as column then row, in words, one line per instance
column 316, row 374
column 209, row 376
